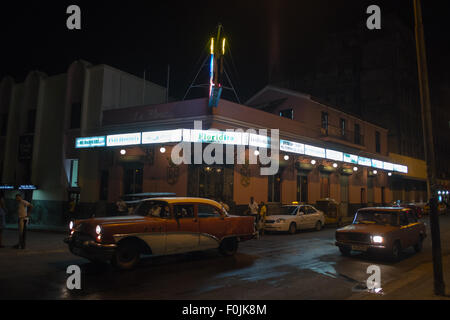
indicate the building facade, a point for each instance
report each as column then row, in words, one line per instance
column 39, row 119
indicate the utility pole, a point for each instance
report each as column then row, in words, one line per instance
column 439, row 286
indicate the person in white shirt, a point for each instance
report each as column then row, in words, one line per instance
column 253, row 206
column 22, row 212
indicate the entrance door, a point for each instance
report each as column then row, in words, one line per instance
column 302, row 188
column 343, row 180
column 274, row 188
column 132, row 178
column 370, row 196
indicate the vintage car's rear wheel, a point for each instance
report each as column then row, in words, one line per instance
column 127, row 255
column 345, row 250
column 419, row 245
column 229, row 246
column 292, row 228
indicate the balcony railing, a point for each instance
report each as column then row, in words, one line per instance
column 347, row 135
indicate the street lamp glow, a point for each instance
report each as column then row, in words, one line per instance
column 355, row 169
column 313, row 162
column 335, row 165
column 162, row 150
column 256, row 153
column 123, row 152
column 389, row 174
column 286, row 157
column 374, row 171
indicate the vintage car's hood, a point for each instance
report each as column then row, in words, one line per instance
column 280, row 216
column 111, row 220
column 368, row 228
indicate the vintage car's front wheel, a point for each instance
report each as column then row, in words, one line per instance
column 127, row 255
column 396, row 251
column 229, row 246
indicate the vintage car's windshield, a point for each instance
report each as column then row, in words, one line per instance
column 150, row 208
column 288, row 210
column 376, row 217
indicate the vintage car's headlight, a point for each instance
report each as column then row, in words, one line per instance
column 98, row 230
column 70, row 225
column 280, row 220
column 377, row 239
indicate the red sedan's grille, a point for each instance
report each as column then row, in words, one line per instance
column 353, row 237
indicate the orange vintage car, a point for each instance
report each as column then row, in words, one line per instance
column 159, row 226
column 388, row 230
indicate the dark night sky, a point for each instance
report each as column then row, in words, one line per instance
column 138, row 35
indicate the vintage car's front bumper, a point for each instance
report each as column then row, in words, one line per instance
column 361, row 246
column 90, row 249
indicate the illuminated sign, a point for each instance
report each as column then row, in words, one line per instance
column 257, row 140
column 334, row 155
column 293, row 147
column 27, row 187
column 214, row 136
column 162, row 136
column 6, row 187
column 388, row 166
column 90, row 142
column 126, row 139
column 400, row 168
column 364, row 161
column 377, row 164
column 314, row 151
column 350, row 158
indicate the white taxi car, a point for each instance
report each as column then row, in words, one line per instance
column 295, row 217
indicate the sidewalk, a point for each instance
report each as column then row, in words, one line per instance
column 417, row 284
column 31, row 227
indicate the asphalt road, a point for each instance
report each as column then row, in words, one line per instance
column 306, row 265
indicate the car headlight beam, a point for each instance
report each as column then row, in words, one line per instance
column 98, row 229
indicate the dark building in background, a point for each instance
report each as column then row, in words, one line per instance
column 372, row 74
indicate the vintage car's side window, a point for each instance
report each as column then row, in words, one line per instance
column 403, row 219
column 207, row 211
column 183, row 211
column 143, row 208
column 302, row 210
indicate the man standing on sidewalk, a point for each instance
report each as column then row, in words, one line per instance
column 22, row 207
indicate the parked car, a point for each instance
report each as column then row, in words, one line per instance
column 295, row 217
column 387, row 230
column 442, row 208
column 159, row 226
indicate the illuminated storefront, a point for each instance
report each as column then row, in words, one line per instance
column 139, row 160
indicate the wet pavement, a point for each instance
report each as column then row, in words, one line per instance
column 306, row 265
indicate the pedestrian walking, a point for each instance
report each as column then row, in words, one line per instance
column 24, row 214
column 2, row 218
column 262, row 217
column 253, row 211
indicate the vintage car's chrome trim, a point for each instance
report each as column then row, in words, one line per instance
column 91, row 243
